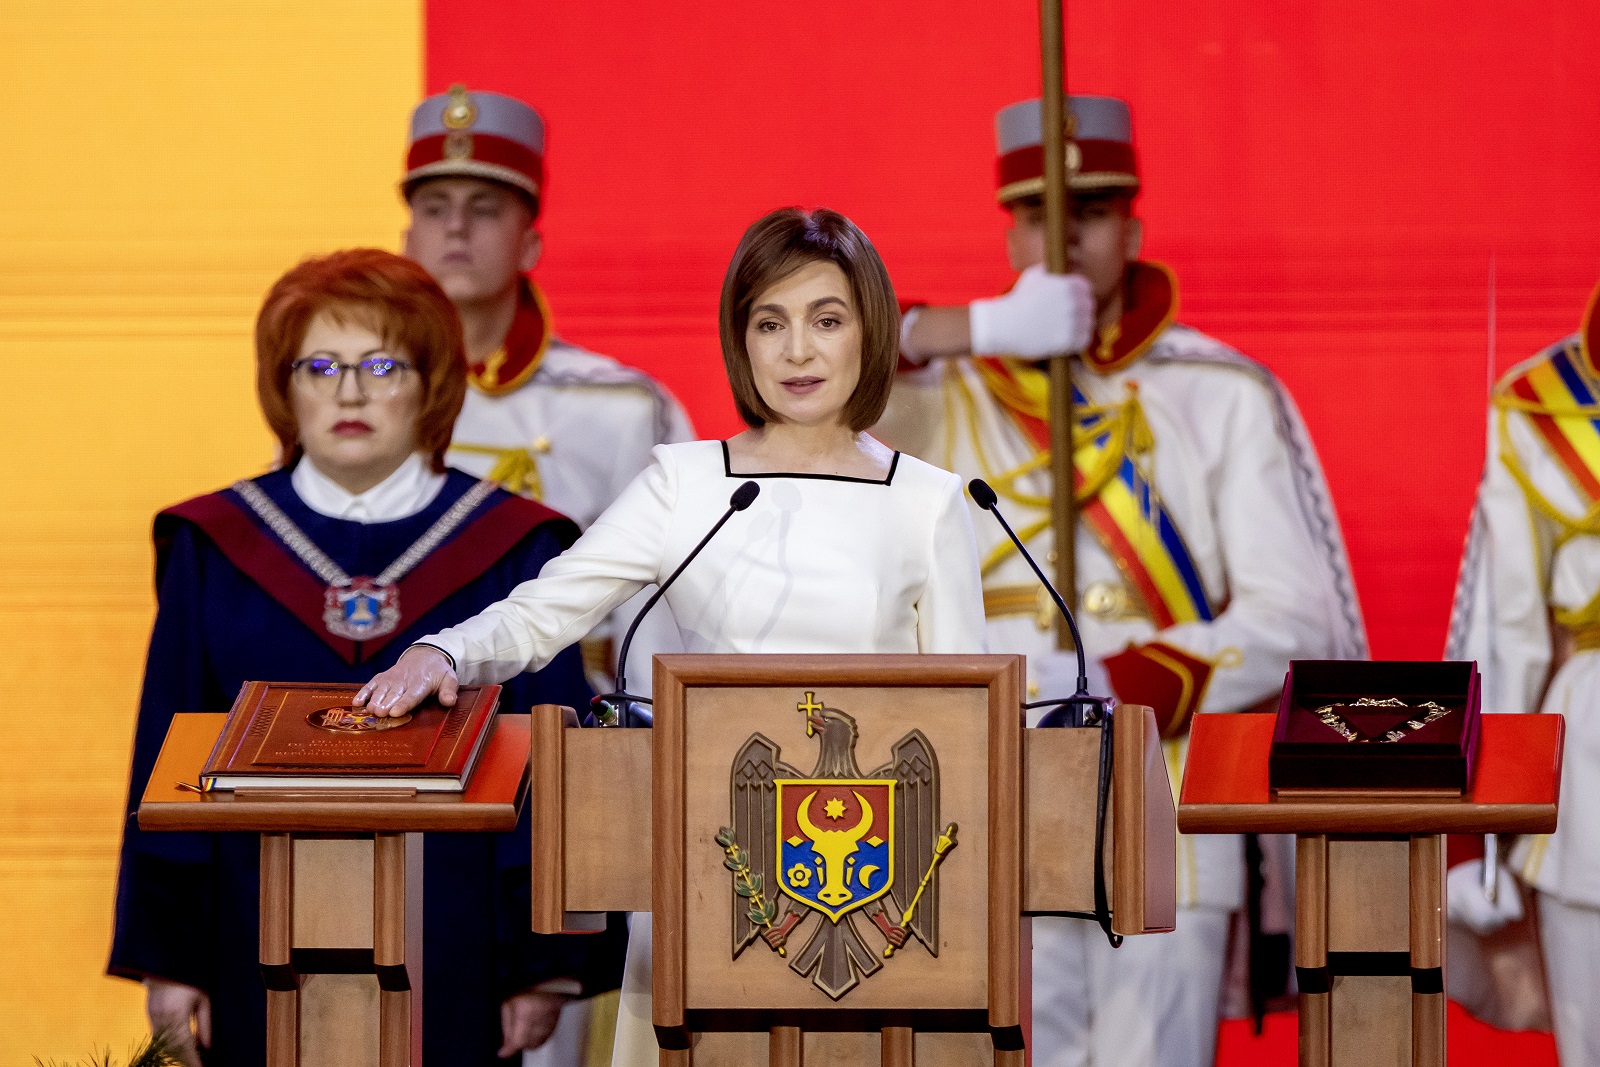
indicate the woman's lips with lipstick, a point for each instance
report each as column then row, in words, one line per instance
column 351, row 428
column 801, row 386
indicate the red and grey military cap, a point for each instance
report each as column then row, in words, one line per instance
column 1099, row 147
column 476, row 135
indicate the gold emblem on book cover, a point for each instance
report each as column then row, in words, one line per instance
column 837, row 844
column 353, row 720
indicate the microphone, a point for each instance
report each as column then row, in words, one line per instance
column 622, row 708
column 1080, row 709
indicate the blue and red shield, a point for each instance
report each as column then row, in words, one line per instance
column 835, row 841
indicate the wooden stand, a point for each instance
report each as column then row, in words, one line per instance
column 1370, row 876
column 341, row 891
column 628, row 820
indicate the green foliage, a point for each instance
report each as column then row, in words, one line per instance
column 158, row 1051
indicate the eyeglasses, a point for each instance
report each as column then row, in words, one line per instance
column 376, row 376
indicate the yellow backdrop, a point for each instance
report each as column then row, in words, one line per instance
column 163, row 162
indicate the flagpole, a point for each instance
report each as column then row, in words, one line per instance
column 1063, row 502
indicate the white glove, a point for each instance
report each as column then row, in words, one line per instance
column 1043, row 315
column 1471, row 907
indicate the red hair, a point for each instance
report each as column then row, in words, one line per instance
column 388, row 294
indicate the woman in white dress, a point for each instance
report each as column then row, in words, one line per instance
column 850, row 547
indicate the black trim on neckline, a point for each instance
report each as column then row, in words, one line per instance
column 727, row 470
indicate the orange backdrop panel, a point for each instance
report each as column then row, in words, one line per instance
column 162, row 164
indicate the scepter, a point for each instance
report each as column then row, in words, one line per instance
column 1063, row 496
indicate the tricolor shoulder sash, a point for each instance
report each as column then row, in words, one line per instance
column 1114, row 492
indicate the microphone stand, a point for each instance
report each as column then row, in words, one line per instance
column 1077, row 711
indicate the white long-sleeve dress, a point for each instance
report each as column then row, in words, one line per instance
column 817, row 564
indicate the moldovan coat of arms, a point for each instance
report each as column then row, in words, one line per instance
column 836, row 844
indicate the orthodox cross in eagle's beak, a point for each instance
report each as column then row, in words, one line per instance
column 811, row 710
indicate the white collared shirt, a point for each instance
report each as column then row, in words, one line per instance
column 407, row 491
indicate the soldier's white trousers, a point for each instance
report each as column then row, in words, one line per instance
column 1151, row 1003
column 1570, row 937
column 636, row 1036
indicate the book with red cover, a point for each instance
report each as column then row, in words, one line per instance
column 297, row 735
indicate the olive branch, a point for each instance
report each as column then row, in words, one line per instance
column 749, row 885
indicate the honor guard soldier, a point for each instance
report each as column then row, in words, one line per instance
column 1208, row 553
column 544, row 418
column 1527, row 608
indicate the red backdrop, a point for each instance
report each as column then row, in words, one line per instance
column 1349, row 192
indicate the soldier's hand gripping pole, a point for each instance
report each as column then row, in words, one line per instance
column 1063, row 507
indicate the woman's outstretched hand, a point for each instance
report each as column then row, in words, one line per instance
column 420, row 672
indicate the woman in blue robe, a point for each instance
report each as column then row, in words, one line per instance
column 241, row 598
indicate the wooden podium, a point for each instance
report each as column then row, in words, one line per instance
column 841, row 852
column 1370, row 876
column 341, row 892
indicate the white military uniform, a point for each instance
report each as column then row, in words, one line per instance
column 542, row 417
column 1530, row 583
column 1233, row 466
column 574, row 435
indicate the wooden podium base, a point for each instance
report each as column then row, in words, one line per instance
column 1369, row 950
column 343, row 985
column 341, row 889
column 1370, row 889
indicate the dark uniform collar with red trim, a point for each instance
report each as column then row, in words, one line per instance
column 516, row 360
column 497, row 526
column 1149, row 305
column 1589, row 333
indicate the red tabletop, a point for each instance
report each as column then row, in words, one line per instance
column 1515, row 790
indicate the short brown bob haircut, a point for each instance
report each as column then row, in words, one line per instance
column 389, row 295
column 776, row 246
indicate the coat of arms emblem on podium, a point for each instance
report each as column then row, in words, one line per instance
column 837, row 844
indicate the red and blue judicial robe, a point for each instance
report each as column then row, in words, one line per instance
column 235, row 605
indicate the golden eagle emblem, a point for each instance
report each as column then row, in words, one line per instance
column 838, row 844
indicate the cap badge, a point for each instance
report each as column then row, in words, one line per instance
column 458, row 145
column 460, row 113
column 1069, row 133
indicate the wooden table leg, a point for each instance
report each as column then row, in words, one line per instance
column 1427, row 951
column 899, row 1046
column 277, row 917
column 389, row 949
column 786, row 1047
column 1311, row 949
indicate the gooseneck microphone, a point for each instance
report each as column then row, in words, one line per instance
column 622, row 708
column 1080, row 709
